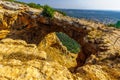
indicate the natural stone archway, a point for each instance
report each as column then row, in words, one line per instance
column 21, row 22
column 28, row 24
column 33, row 30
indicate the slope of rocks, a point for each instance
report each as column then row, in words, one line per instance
column 22, row 61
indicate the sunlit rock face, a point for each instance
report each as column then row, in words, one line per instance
column 22, row 61
column 57, row 52
column 30, row 51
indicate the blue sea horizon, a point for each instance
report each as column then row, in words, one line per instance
column 103, row 16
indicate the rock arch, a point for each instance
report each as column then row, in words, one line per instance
column 33, row 29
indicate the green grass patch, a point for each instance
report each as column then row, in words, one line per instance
column 70, row 43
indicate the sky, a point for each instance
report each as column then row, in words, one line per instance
column 80, row 4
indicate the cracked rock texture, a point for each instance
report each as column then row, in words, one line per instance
column 30, row 50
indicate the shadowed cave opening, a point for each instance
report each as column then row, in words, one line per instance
column 34, row 34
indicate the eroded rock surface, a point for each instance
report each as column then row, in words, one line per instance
column 22, row 60
column 57, row 52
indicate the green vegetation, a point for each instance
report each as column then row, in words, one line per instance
column 117, row 25
column 111, row 25
column 48, row 11
column 71, row 44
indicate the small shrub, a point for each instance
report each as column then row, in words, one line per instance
column 116, row 25
column 71, row 44
column 111, row 25
column 48, row 11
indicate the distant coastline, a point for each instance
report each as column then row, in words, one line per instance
column 89, row 9
column 103, row 16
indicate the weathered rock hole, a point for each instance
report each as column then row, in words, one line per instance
column 33, row 31
column 34, row 35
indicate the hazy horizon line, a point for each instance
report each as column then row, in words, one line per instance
column 89, row 9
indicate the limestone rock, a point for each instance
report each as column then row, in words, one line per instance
column 43, row 55
column 15, row 48
column 10, row 5
column 3, row 33
column 21, row 59
column 33, row 69
column 98, row 72
column 56, row 51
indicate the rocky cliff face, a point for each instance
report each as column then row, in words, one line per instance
column 37, row 54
